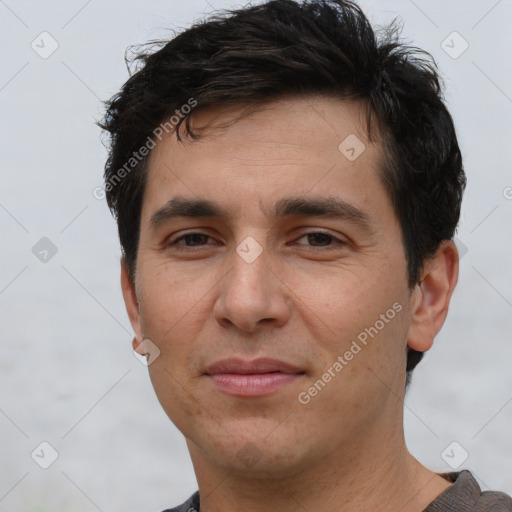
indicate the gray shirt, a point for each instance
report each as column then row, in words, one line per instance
column 464, row 495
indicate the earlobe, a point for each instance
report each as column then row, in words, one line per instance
column 431, row 296
column 131, row 302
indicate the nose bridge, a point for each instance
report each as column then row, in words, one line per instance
column 249, row 269
column 250, row 291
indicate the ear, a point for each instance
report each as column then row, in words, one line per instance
column 131, row 303
column 431, row 296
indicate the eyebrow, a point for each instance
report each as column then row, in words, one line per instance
column 329, row 207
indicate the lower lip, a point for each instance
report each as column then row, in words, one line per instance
column 260, row 384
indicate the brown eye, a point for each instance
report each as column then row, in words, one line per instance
column 191, row 239
column 321, row 239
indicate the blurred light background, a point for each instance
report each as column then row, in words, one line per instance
column 68, row 376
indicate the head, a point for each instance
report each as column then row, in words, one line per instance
column 244, row 111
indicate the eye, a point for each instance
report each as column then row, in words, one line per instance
column 316, row 239
column 321, row 239
column 195, row 239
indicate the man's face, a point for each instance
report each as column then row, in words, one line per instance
column 300, row 287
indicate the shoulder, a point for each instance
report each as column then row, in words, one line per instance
column 191, row 505
column 494, row 501
column 465, row 495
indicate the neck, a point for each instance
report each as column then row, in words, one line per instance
column 380, row 475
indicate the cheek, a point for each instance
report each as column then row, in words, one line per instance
column 174, row 393
column 342, row 304
column 175, row 309
column 166, row 299
column 361, row 318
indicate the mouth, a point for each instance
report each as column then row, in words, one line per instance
column 260, row 377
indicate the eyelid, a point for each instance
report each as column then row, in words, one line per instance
column 338, row 238
column 172, row 239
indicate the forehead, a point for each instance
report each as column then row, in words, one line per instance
column 314, row 121
column 301, row 146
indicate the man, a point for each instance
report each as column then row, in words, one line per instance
column 287, row 188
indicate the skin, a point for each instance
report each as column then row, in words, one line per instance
column 302, row 300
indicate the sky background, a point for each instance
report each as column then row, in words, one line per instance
column 68, row 376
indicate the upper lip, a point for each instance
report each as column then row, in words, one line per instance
column 243, row 367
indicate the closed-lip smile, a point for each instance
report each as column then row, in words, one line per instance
column 258, row 377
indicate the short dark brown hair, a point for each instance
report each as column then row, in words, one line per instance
column 285, row 48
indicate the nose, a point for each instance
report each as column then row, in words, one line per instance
column 252, row 295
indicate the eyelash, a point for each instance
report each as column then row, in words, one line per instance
column 340, row 242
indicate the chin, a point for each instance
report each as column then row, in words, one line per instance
column 254, row 448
